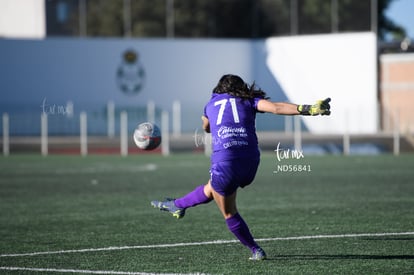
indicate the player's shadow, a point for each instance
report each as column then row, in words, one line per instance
column 340, row 257
column 350, row 256
column 387, row 239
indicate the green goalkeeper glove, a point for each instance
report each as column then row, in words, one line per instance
column 321, row 107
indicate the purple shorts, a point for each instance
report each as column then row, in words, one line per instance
column 227, row 176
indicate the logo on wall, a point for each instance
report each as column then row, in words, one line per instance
column 130, row 73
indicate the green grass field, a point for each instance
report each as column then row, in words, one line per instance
column 308, row 222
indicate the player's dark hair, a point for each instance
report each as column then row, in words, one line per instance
column 235, row 86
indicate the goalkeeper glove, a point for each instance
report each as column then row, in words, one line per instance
column 321, row 107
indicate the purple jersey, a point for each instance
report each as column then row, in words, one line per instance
column 232, row 126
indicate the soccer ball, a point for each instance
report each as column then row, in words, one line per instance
column 147, row 136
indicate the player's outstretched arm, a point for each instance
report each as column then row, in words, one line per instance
column 321, row 107
column 277, row 108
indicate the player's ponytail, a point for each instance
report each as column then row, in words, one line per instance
column 257, row 92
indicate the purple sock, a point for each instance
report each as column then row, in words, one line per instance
column 193, row 198
column 239, row 228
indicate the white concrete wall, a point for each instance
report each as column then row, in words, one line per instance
column 22, row 19
column 340, row 66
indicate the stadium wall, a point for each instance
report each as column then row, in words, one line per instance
column 37, row 76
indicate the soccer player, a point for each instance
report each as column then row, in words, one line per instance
column 230, row 118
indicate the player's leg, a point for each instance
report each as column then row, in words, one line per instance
column 178, row 206
column 194, row 198
column 235, row 223
column 226, row 204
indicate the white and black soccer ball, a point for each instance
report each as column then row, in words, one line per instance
column 147, row 136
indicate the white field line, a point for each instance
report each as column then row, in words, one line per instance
column 112, row 248
column 79, row 271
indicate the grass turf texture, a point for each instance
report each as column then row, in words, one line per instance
column 69, row 202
